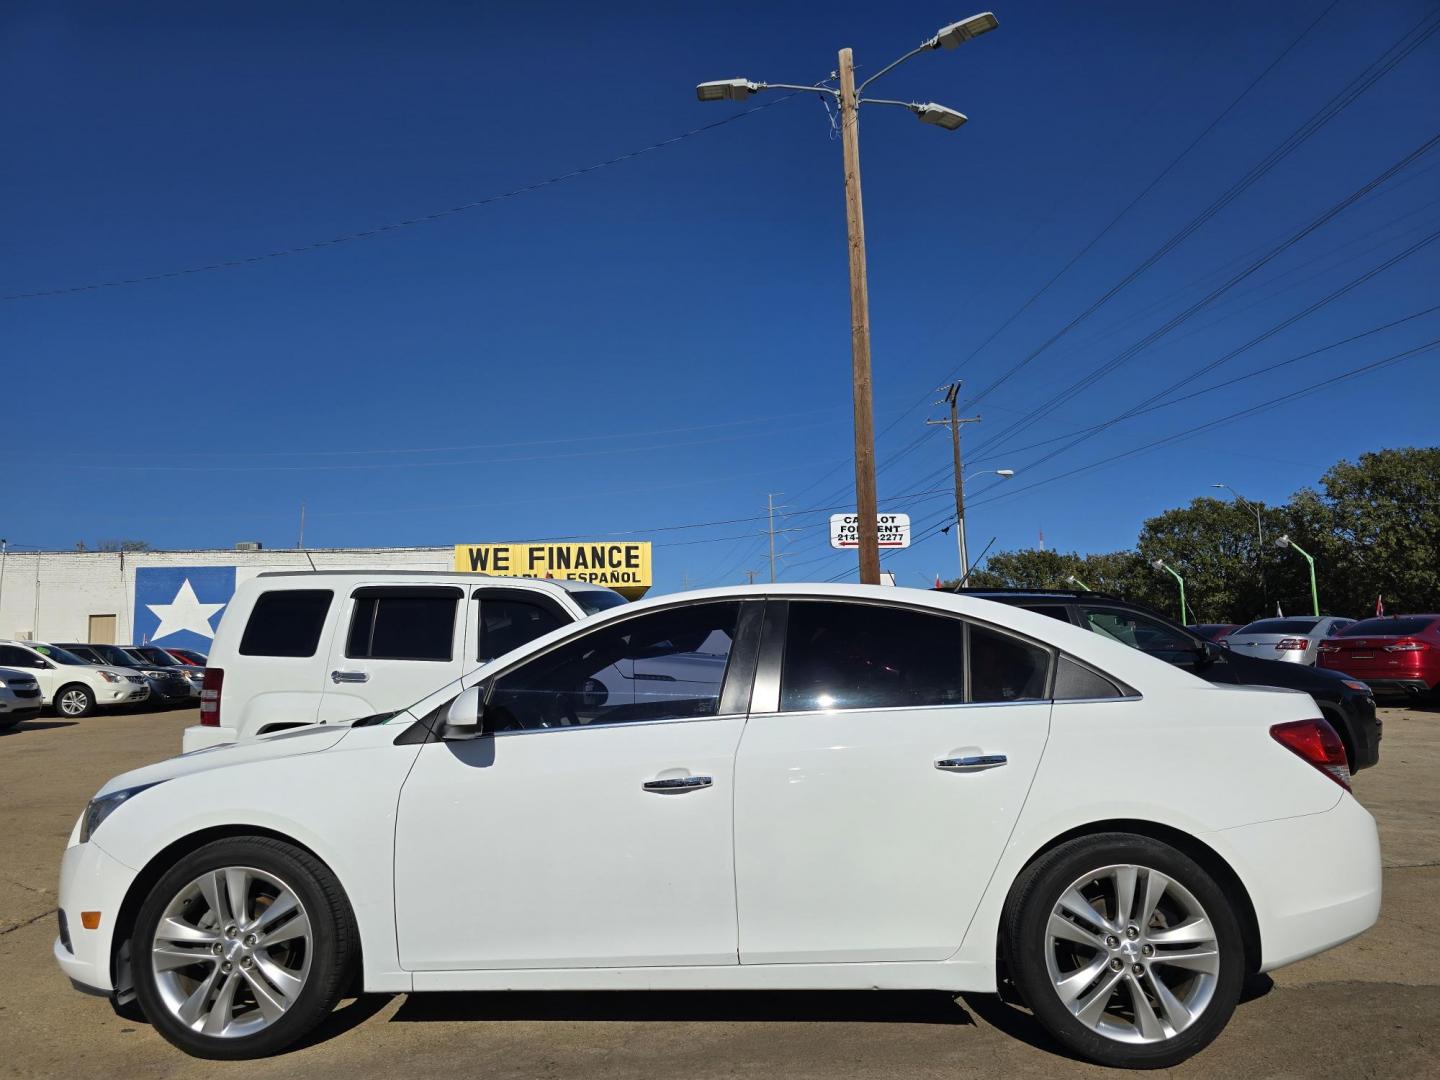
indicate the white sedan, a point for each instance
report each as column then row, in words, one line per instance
column 874, row 787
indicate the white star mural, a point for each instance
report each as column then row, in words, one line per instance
column 185, row 612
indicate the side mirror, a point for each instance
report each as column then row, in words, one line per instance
column 462, row 719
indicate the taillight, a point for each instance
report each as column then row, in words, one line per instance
column 1406, row 646
column 210, row 696
column 1292, row 643
column 1317, row 743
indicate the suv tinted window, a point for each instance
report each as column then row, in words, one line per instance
column 508, row 624
column 1141, row 632
column 286, row 622
column 663, row 665
column 865, row 656
column 403, row 623
column 16, row 657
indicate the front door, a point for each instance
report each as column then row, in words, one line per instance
column 879, row 784
column 581, row 830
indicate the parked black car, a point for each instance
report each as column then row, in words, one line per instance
column 168, row 684
column 1346, row 703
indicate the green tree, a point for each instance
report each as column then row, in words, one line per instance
column 1214, row 545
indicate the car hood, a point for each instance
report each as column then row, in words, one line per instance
column 296, row 741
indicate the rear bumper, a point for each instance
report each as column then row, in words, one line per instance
column 1314, row 880
column 198, row 737
column 1398, row 686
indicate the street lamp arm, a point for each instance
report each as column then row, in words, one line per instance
column 924, row 46
column 793, row 86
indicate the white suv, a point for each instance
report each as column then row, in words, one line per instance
column 307, row 647
column 69, row 684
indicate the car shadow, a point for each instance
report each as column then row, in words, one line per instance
column 349, row 1014
column 36, row 725
column 754, row 1006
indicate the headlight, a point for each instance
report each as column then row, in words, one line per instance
column 102, row 806
column 2, row 684
column 110, row 676
column 152, row 674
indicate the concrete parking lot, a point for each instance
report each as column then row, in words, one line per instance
column 1370, row 1008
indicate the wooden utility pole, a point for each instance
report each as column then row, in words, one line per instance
column 952, row 398
column 866, row 508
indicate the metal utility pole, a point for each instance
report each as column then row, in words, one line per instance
column 848, row 100
column 301, row 544
column 770, row 509
column 1260, row 534
column 952, row 398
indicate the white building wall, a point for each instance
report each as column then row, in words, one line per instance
column 50, row 595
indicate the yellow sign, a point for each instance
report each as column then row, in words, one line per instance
column 622, row 567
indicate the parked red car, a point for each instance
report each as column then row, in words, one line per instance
column 1396, row 654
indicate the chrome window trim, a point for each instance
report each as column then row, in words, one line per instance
column 617, row 724
column 915, row 708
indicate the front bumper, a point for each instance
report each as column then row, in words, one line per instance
column 92, row 881
column 198, row 737
column 126, row 693
column 1314, row 880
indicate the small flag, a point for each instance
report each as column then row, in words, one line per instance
column 938, row 584
column 1380, row 606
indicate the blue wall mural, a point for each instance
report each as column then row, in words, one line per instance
column 181, row 605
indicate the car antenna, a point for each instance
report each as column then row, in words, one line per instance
column 961, row 583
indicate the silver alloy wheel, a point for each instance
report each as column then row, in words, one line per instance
column 232, row 952
column 74, row 702
column 1132, row 954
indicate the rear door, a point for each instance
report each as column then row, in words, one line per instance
column 393, row 645
column 274, row 676
column 878, row 778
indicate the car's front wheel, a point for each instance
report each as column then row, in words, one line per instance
column 75, row 700
column 1125, row 949
column 242, row 947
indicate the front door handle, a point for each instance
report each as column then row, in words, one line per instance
column 349, row 676
column 677, row 783
column 977, row 763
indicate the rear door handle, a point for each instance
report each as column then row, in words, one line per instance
column 349, row 676
column 977, row 763
column 677, row 783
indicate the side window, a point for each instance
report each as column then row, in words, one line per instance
column 1141, row 632
column 16, row 657
column 1055, row 611
column 508, row 624
column 1006, row 668
column 403, row 623
column 664, row 665
column 1076, row 681
column 865, row 656
column 286, row 622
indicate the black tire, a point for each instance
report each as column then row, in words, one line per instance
column 333, row 964
column 83, row 697
column 1025, row 940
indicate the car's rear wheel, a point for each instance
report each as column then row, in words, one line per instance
column 1125, row 949
column 75, row 700
column 242, row 948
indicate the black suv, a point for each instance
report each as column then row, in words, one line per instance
column 1346, row 703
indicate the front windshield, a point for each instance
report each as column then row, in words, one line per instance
column 594, row 601
column 152, row 655
column 60, row 656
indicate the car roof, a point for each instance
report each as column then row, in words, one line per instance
column 559, row 583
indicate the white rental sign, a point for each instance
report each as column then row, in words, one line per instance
column 894, row 530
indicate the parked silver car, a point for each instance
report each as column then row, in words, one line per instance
column 1295, row 639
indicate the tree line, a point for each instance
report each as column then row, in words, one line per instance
column 1373, row 527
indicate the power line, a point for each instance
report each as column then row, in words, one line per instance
column 404, row 223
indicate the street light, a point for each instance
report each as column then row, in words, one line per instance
column 1073, row 580
column 1004, row 474
column 1260, row 535
column 848, row 98
column 1161, row 564
column 1285, row 542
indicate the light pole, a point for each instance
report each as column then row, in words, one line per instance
column 1073, row 580
column 1004, row 474
column 1260, row 538
column 1161, row 564
column 1282, row 543
column 849, row 100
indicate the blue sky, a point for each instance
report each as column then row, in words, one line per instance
column 665, row 341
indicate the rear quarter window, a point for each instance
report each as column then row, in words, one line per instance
column 286, row 622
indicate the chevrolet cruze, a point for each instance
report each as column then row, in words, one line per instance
column 871, row 788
